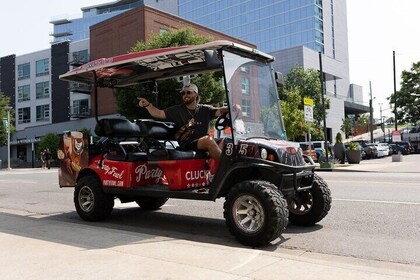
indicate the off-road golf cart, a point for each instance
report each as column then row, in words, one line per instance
column 266, row 181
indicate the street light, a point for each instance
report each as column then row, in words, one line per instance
column 8, row 108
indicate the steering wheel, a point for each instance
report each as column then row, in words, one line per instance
column 223, row 121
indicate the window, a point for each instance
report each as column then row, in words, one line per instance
column 43, row 113
column 42, row 90
column 42, row 67
column 24, row 115
column 245, row 85
column 81, row 106
column 24, row 71
column 246, row 107
column 24, row 93
column 81, row 56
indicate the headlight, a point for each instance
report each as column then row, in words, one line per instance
column 263, row 153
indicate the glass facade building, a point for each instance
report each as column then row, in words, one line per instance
column 271, row 25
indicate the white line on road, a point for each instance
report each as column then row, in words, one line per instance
column 377, row 201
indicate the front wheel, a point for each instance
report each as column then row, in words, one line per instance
column 255, row 212
column 92, row 204
column 310, row 206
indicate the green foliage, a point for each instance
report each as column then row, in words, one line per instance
column 353, row 146
column 408, row 97
column 51, row 141
column 294, row 119
column 166, row 93
column 362, row 120
column 347, row 126
column 338, row 138
column 5, row 102
column 308, row 84
column 171, row 38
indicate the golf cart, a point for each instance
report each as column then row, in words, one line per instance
column 266, row 180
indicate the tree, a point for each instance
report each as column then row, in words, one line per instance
column 308, row 84
column 5, row 102
column 293, row 118
column 347, row 126
column 408, row 97
column 51, row 141
column 163, row 93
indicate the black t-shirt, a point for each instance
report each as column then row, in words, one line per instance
column 180, row 115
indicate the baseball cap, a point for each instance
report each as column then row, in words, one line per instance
column 190, row 87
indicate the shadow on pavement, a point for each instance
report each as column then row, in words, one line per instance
column 127, row 226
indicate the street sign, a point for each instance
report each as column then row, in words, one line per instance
column 308, row 101
column 396, row 136
column 309, row 113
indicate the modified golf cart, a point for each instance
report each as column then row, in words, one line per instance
column 266, row 180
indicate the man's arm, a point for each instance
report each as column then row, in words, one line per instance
column 221, row 111
column 155, row 112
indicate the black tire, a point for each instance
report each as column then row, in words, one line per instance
column 310, row 206
column 92, row 204
column 151, row 203
column 266, row 212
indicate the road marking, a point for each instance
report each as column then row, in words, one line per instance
column 373, row 182
column 377, row 201
column 255, row 254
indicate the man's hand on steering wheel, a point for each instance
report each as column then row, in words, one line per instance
column 223, row 121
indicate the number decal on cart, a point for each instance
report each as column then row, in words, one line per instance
column 243, row 149
column 229, row 149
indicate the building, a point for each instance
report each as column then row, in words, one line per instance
column 45, row 104
column 70, row 30
column 294, row 32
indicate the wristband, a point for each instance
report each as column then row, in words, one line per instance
column 147, row 105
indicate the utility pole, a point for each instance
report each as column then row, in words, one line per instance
column 8, row 108
column 395, row 92
column 321, row 77
column 382, row 121
column 371, row 114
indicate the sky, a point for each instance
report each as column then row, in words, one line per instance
column 376, row 28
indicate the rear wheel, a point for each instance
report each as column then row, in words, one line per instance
column 310, row 206
column 151, row 203
column 92, row 204
column 255, row 212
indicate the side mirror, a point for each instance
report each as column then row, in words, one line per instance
column 279, row 78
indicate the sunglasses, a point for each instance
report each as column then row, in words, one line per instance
column 187, row 92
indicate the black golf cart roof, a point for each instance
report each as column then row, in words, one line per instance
column 149, row 65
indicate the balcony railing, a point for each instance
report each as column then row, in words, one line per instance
column 77, row 60
column 79, row 112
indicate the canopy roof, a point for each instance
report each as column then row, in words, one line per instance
column 155, row 64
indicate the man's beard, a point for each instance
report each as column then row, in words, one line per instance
column 188, row 102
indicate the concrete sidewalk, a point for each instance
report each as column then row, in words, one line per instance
column 41, row 247
column 409, row 164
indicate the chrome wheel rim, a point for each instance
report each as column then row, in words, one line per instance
column 86, row 199
column 248, row 213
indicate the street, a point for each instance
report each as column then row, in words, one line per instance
column 374, row 216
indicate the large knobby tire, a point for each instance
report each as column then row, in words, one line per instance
column 92, row 204
column 310, row 206
column 151, row 203
column 255, row 212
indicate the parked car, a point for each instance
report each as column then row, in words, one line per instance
column 398, row 149
column 390, row 151
column 309, row 150
column 407, row 146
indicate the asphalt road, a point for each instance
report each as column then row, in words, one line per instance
column 374, row 216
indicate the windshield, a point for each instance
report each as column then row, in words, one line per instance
column 253, row 98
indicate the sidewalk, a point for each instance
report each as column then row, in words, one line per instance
column 41, row 247
column 409, row 164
